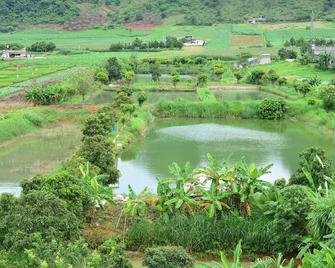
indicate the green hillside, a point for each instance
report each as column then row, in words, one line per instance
column 195, row 12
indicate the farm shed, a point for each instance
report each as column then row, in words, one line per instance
column 190, row 41
column 317, row 50
column 8, row 54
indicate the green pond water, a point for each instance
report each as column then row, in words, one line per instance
column 167, row 141
column 261, row 142
column 36, row 153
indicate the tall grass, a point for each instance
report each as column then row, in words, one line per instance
column 188, row 109
column 199, row 233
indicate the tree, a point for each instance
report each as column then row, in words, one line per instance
column 141, row 98
column 325, row 60
column 155, row 72
column 114, row 69
column 272, row 77
column 284, row 54
column 290, row 217
column 282, row 81
column 238, row 76
column 41, row 213
column 66, row 187
column 272, row 109
column 256, row 76
column 218, row 69
column 302, row 87
column 175, row 77
column 202, row 79
column 327, row 96
column 42, row 46
column 83, row 82
column 129, row 76
column 101, row 76
column 100, row 151
column 100, row 123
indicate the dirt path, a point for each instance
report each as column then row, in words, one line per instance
column 237, row 88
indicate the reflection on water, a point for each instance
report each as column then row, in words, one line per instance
column 180, row 141
column 37, row 153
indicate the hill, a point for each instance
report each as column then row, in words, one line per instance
column 195, row 12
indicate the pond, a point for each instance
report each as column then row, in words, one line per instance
column 36, row 153
column 181, row 140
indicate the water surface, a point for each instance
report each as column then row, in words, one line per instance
column 36, row 153
column 261, row 142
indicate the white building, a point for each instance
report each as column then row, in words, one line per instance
column 264, row 59
column 13, row 54
column 190, row 41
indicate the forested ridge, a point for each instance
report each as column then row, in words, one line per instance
column 197, row 12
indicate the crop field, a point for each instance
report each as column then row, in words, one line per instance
column 18, row 71
column 219, row 37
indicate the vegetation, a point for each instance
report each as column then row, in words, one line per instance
column 167, row 257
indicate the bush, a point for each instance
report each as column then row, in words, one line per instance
column 39, row 213
column 42, row 46
column 112, row 256
column 284, row 54
column 290, row 218
column 272, row 109
column 167, row 257
column 256, row 77
column 46, row 96
column 101, row 76
column 327, row 96
column 64, row 186
column 315, row 162
column 100, row 152
column 101, row 122
column 141, row 98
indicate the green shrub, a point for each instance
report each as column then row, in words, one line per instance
column 167, row 257
column 141, row 98
column 100, row 123
column 101, row 76
column 328, row 98
column 290, row 218
column 46, row 96
column 42, row 46
column 100, row 152
column 64, row 186
column 112, row 256
column 315, row 162
column 38, row 215
column 272, row 109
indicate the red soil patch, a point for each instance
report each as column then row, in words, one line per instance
column 246, row 40
column 142, row 25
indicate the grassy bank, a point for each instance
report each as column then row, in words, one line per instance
column 16, row 123
column 299, row 110
column 135, row 128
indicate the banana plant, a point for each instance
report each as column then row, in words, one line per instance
column 178, row 194
column 216, row 172
column 213, row 202
column 97, row 191
column 138, row 204
column 225, row 263
column 247, row 182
